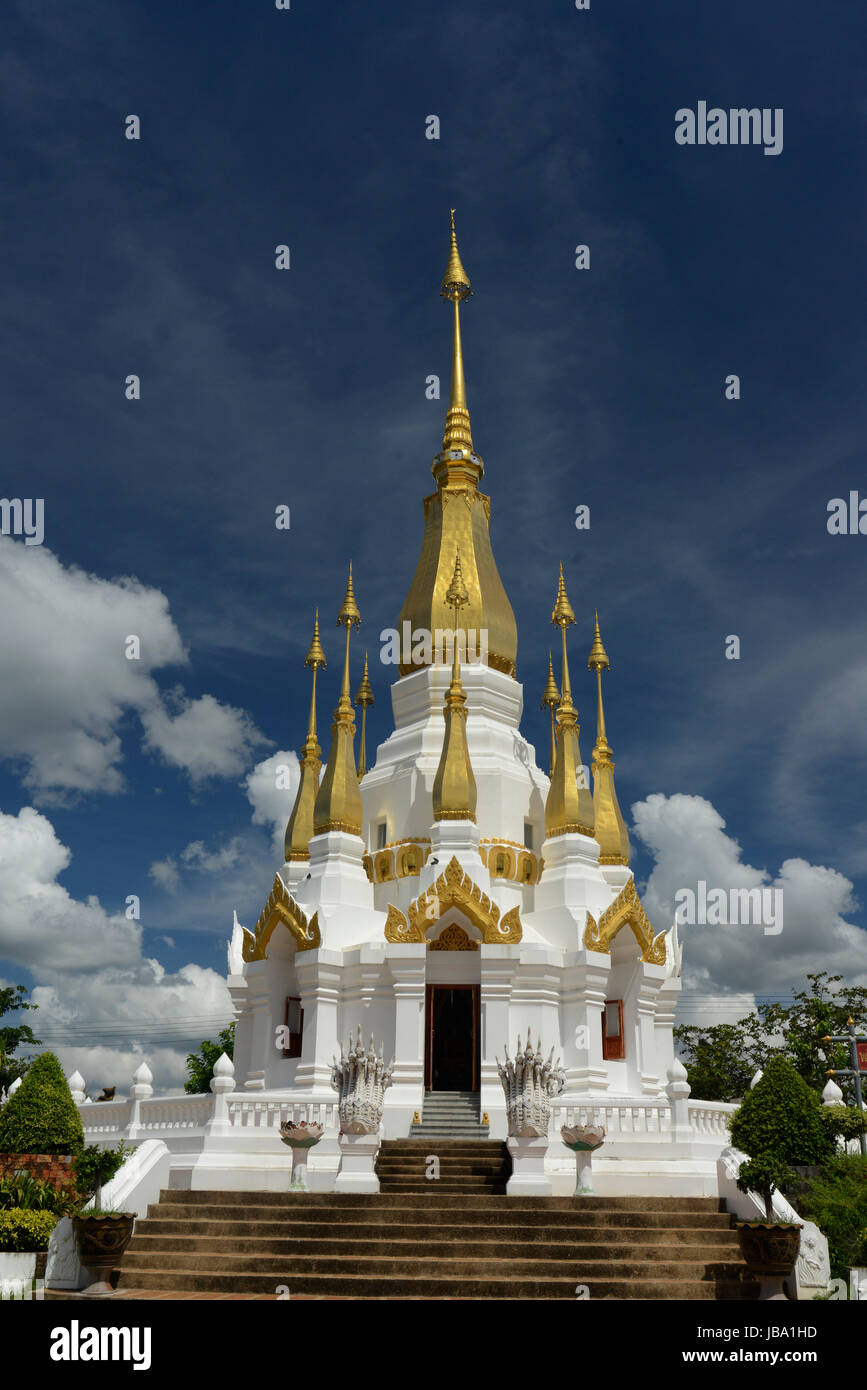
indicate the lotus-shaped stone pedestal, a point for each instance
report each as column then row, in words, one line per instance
column 299, row 1138
column 583, row 1140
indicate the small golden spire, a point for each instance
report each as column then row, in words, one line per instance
column 550, row 701
column 338, row 801
column 364, row 697
column 299, row 829
column 454, row 788
column 569, row 807
column 609, row 825
column 456, row 287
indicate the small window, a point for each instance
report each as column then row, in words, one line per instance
column 528, row 834
column 295, row 1025
column 613, row 1041
column 501, row 864
column 381, row 834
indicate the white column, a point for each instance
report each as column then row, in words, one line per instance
column 261, row 1036
column 497, row 966
column 319, row 975
column 407, row 964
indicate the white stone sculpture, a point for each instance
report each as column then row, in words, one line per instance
column 360, row 1079
column 529, row 1083
column 583, row 1140
column 299, row 1138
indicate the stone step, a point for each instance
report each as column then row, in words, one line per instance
column 352, row 1285
column 413, row 1245
column 439, row 1208
column 601, row 1238
column 422, row 1266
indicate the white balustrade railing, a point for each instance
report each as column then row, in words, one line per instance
column 103, row 1119
column 176, row 1112
column 271, row 1114
column 710, row 1118
column 621, row 1118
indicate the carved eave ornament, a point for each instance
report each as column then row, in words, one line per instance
column 625, row 910
column 454, row 888
column 281, row 907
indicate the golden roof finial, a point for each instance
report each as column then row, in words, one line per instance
column 454, row 788
column 456, row 287
column 609, row 826
column 338, row 801
column 299, row 829
column 364, row 697
column 550, row 701
column 569, row 806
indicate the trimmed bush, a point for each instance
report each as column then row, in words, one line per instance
column 782, row 1117
column 844, row 1121
column 41, row 1117
column 23, row 1231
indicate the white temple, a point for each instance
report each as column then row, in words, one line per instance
column 455, row 895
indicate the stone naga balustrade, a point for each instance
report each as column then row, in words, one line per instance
column 360, row 1079
column 529, row 1084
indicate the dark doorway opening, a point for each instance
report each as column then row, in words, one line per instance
column 452, row 1038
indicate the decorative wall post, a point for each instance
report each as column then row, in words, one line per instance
column 678, row 1092
column 360, row 1080
column 75, row 1081
column 529, row 1083
column 222, row 1083
column 140, row 1090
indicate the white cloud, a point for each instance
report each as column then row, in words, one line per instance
column 687, row 839
column 68, row 683
column 195, row 858
column 92, row 974
column 271, row 787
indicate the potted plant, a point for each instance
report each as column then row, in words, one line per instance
column 769, row 1247
column 101, row 1236
column 299, row 1137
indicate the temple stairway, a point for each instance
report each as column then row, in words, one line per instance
column 450, row 1115
column 443, row 1242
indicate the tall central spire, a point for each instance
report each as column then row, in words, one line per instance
column 456, row 287
column 457, row 516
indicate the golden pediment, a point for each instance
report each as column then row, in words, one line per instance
column 453, row 938
column 625, row 910
column 454, row 888
column 281, row 907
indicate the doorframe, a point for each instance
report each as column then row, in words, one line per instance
column 428, row 1032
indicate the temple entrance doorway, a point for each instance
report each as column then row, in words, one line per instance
column 452, row 1038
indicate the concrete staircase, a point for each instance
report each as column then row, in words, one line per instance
column 439, row 1243
column 450, row 1115
column 462, row 1165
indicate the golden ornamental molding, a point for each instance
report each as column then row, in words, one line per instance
column 454, row 888
column 625, row 910
column 281, row 907
column 453, row 938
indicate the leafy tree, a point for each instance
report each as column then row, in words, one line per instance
column 41, row 1117
column 12, row 1001
column 721, row 1060
column 837, row 1201
column 200, row 1065
column 761, row 1175
column 781, row 1118
column 94, row 1167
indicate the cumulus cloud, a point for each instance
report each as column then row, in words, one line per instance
column 271, row 788
column 93, row 975
column 686, row 837
column 65, row 694
column 167, row 872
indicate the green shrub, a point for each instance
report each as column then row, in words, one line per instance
column 41, row 1117
column 782, row 1117
column 844, row 1121
column 761, row 1175
column 23, row 1192
column 837, row 1201
column 95, row 1166
column 22, row 1231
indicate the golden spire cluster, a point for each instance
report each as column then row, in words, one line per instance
column 569, row 807
column 610, row 831
column 299, row 830
column 454, row 788
column 338, row 802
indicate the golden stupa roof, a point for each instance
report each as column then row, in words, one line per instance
column 457, row 518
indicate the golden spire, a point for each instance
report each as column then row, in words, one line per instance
column 458, row 515
column 454, row 788
column 300, row 827
column 364, row 697
column 569, row 807
column 338, row 801
column 610, row 827
column 550, row 701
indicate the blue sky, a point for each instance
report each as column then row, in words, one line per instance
column 307, row 387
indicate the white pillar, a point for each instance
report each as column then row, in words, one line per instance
column 261, row 1036
column 319, row 976
column 407, row 964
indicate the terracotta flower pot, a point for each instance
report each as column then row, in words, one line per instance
column 770, row 1251
column 101, row 1241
